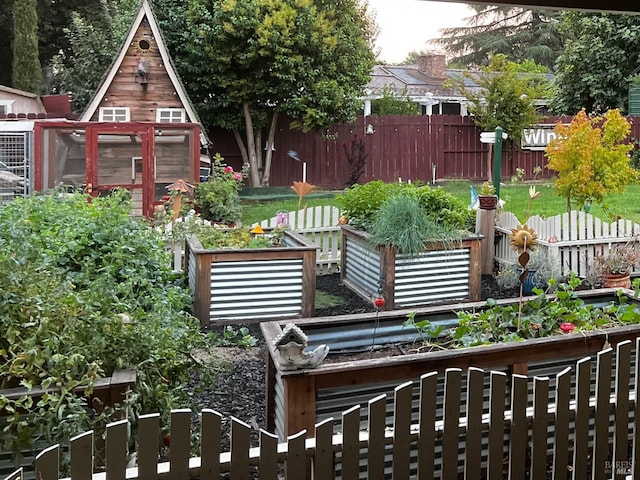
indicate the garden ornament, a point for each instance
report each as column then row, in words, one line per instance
column 181, row 187
column 290, row 345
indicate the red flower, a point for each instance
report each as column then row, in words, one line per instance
column 378, row 302
column 567, row 327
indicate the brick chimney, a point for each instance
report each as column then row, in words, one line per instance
column 433, row 65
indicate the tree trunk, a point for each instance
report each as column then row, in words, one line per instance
column 266, row 174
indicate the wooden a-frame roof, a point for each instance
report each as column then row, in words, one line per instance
column 144, row 12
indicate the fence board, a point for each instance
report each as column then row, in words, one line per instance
column 323, row 463
column 498, row 388
column 296, row 466
column 210, row 443
column 180, row 443
column 561, row 425
column 539, row 428
column 518, row 434
column 376, row 429
column 621, row 414
column 48, row 463
column 601, row 433
column 452, row 388
column 81, row 450
column 240, row 443
column 268, row 455
column 473, row 438
column 148, row 434
column 401, row 430
column 351, row 443
column 116, row 454
column 581, row 429
column 427, row 420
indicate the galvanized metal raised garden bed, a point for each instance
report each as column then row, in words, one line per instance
column 298, row 399
column 252, row 284
column 445, row 272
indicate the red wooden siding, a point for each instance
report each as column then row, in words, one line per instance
column 404, row 147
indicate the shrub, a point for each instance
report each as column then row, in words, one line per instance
column 87, row 290
column 360, row 204
column 218, row 198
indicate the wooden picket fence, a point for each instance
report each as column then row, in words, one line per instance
column 584, row 422
column 573, row 238
column 320, row 225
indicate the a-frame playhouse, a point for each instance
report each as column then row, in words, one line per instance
column 139, row 132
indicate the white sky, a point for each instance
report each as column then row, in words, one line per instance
column 407, row 25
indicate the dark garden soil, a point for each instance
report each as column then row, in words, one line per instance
column 239, row 389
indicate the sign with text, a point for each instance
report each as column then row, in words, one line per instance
column 537, row 138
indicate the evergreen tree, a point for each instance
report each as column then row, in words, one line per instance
column 27, row 73
column 517, row 33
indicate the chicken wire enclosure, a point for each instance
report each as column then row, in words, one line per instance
column 16, row 160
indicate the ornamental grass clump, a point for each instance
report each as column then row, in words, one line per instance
column 402, row 223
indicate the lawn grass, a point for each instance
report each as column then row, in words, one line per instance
column 516, row 196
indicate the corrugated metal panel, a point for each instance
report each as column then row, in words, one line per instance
column 256, row 289
column 432, row 277
column 634, row 99
column 362, row 266
column 192, row 271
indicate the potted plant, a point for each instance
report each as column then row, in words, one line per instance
column 613, row 269
column 487, row 196
column 409, row 243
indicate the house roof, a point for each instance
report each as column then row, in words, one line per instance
column 144, row 12
column 22, row 93
column 424, row 81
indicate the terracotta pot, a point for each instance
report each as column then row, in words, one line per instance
column 616, row 280
column 488, row 202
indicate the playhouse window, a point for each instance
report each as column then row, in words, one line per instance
column 5, row 106
column 114, row 114
column 170, row 115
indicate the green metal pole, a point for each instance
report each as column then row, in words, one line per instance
column 497, row 161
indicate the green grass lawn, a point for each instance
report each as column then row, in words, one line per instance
column 624, row 205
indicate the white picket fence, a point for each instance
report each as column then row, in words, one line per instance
column 318, row 224
column 574, row 238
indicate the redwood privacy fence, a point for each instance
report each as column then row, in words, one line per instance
column 410, row 147
column 583, row 420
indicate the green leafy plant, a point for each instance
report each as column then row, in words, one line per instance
column 240, row 337
column 540, row 316
column 218, row 198
column 487, row 188
column 360, row 204
column 88, row 290
column 591, row 156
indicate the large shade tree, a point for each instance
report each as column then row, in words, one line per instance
column 593, row 72
column 309, row 60
column 517, row 33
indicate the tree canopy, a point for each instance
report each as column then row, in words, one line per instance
column 593, row 71
column 505, row 95
column 307, row 59
column 517, row 33
column 27, row 74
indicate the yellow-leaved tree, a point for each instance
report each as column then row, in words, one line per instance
column 591, row 156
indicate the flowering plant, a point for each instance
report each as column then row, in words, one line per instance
column 218, row 198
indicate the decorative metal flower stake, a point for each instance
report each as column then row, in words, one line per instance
column 523, row 240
